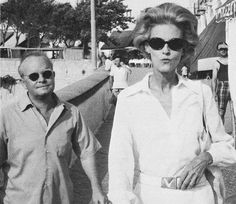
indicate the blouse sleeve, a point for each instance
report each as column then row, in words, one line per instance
column 222, row 147
column 121, row 158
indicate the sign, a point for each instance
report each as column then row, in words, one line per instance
column 228, row 10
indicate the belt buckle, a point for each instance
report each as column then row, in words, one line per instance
column 169, row 182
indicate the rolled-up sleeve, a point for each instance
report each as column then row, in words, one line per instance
column 222, row 147
column 3, row 136
column 84, row 142
column 121, row 157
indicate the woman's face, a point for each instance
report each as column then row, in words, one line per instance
column 166, row 59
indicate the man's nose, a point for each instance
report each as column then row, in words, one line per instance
column 41, row 78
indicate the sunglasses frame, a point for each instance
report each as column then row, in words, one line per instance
column 169, row 43
column 42, row 74
column 223, row 49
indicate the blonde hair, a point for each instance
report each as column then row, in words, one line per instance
column 167, row 13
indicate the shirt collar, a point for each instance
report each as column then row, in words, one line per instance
column 25, row 102
column 143, row 85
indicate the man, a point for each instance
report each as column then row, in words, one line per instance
column 108, row 63
column 118, row 76
column 37, row 135
column 220, row 80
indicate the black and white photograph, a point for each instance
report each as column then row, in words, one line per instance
column 117, row 102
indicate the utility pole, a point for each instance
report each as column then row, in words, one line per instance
column 93, row 35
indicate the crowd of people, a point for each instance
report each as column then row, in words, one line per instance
column 157, row 153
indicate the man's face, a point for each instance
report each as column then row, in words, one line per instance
column 38, row 76
column 117, row 61
column 223, row 50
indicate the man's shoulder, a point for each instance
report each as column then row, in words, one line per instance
column 70, row 106
column 11, row 105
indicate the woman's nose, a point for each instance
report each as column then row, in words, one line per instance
column 166, row 49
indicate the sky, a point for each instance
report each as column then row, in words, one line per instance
column 137, row 5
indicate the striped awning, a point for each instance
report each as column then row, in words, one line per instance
column 226, row 11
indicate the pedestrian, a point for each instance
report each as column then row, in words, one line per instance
column 220, row 79
column 108, row 63
column 160, row 131
column 38, row 133
column 118, row 77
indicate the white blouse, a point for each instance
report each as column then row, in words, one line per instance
column 146, row 139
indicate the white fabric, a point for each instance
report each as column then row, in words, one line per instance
column 120, row 75
column 146, row 139
column 108, row 64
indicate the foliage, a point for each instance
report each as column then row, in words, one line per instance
column 63, row 25
column 61, row 22
column 28, row 16
column 109, row 15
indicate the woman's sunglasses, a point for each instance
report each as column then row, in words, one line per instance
column 223, row 49
column 35, row 76
column 174, row 44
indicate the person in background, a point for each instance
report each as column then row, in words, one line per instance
column 38, row 133
column 220, row 79
column 153, row 141
column 102, row 59
column 184, row 72
column 108, row 63
column 118, row 77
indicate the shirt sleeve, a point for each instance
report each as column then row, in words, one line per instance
column 3, row 136
column 121, row 158
column 222, row 147
column 84, row 142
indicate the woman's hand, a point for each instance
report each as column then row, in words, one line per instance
column 194, row 171
column 99, row 198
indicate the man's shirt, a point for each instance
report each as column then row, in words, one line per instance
column 120, row 75
column 37, row 155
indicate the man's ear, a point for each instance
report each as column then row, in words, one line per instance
column 23, row 83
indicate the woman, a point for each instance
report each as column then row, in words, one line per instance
column 158, row 125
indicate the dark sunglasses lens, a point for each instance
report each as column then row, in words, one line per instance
column 156, row 43
column 47, row 74
column 34, row 76
column 223, row 49
column 176, row 44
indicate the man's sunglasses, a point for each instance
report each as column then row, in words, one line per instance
column 35, row 76
column 223, row 49
column 174, row 44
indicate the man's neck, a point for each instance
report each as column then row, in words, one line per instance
column 44, row 103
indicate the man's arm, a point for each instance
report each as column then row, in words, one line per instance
column 111, row 81
column 214, row 78
column 89, row 166
column 85, row 145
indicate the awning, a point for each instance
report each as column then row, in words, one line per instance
column 119, row 40
column 8, row 36
column 226, row 11
column 208, row 39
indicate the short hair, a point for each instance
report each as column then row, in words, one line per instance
column 33, row 54
column 167, row 13
column 221, row 43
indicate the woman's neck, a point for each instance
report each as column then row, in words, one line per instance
column 163, row 81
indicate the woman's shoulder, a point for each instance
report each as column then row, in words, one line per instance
column 131, row 90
